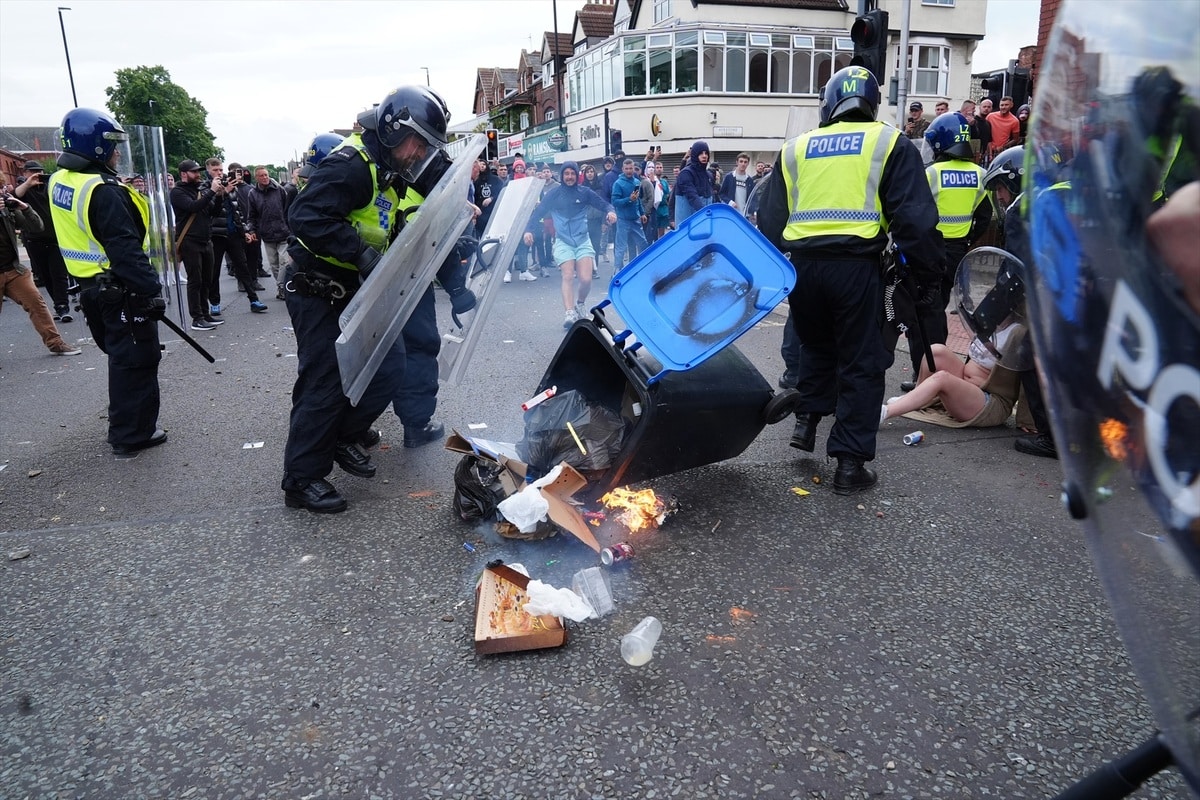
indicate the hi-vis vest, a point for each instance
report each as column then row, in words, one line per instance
column 832, row 177
column 374, row 221
column 70, row 202
column 957, row 188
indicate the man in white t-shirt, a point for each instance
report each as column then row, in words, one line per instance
column 736, row 185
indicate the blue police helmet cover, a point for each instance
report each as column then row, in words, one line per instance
column 91, row 134
column 950, row 133
column 849, row 90
column 1115, row 303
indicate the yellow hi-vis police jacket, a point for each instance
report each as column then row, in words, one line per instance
column 832, row 177
column 70, row 203
column 957, row 188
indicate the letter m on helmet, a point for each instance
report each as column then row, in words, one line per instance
column 850, row 86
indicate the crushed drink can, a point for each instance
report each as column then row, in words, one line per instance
column 618, row 552
column 914, row 438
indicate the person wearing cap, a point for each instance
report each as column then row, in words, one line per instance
column 42, row 246
column 566, row 205
column 193, row 200
column 101, row 225
column 343, row 221
column 915, row 125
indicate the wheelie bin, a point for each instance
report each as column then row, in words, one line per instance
column 687, row 395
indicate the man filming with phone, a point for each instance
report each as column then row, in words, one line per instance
column 626, row 200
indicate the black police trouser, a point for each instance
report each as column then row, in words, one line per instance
column 133, row 398
column 47, row 262
column 416, row 400
column 790, row 349
column 321, row 414
column 836, row 307
column 1036, row 401
column 235, row 252
column 198, row 263
column 934, row 319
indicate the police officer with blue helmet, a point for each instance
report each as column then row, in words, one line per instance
column 1115, row 302
column 322, row 145
column 840, row 190
column 344, row 219
column 101, row 226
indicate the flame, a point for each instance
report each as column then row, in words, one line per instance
column 635, row 509
column 1112, row 436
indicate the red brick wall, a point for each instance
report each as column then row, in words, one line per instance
column 1045, row 24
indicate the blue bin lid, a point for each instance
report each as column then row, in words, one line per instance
column 694, row 291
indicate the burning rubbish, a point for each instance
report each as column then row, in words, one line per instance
column 639, row 509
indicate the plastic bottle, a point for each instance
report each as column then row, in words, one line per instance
column 637, row 646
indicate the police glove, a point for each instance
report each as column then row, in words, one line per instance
column 154, row 308
column 462, row 300
column 927, row 297
column 367, row 260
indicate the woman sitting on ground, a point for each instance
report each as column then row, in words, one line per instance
column 977, row 393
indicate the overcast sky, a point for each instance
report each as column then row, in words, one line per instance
column 274, row 74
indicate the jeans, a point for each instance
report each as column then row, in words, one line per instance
column 629, row 235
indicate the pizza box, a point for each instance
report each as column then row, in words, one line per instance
column 501, row 623
column 558, row 493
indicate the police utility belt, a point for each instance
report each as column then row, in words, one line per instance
column 311, row 282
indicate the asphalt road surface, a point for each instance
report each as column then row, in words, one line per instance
column 170, row 629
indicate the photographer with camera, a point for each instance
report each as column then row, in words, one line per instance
column 42, row 247
column 16, row 282
column 194, row 201
column 101, row 226
column 234, row 240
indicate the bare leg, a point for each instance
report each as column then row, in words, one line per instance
column 585, row 279
column 962, row 399
column 945, row 359
column 568, row 284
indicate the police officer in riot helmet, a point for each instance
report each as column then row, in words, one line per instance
column 344, row 219
column 1115, row 301
column 101, row 226
column 840, row 189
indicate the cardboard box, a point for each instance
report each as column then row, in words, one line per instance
column 558, row 493
column 501, row 623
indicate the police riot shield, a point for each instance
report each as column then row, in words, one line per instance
column 460, row 334
column 374, row 318
column 989, row 294
column 146, row 170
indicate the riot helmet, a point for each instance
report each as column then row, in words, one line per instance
column 90, row 135
column 950, row 135
column 1004, row 179
column 852, row 93
column 1115, row 311
column 406, row 112
column 321, row 146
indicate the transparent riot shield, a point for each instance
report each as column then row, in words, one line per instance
column 989, row 294
column 460, row 334
column 146, row 170
column 376, row 315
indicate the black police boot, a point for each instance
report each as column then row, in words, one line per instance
column 789, row 378
column 370, row 438
column 804, row 437
column 352, row 459
column 133, row 450
column 317, row 496
column 423, row 436
column 852, row 476
column 1040, row 444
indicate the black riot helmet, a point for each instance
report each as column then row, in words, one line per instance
column 851, row 93
column 407, row 111
column 1006, row 172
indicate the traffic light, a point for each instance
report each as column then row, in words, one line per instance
column 615, row 144
column 493, row 143
column 870, row 36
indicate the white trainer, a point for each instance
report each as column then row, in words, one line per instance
column 527, row 276
column 508, row 277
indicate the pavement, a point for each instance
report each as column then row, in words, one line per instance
column 170, row 629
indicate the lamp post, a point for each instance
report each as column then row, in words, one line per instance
column 426, row 74
column 66, row 50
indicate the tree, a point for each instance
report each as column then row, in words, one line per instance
column 147, row 96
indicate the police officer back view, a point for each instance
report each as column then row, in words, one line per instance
column 842, row 185
column 101, row 226
column 343, row 220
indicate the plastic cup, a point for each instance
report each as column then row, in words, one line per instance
column 637, row 646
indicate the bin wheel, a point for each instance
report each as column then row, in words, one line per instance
column 781, row 406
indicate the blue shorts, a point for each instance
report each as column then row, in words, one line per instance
column 564, row 252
